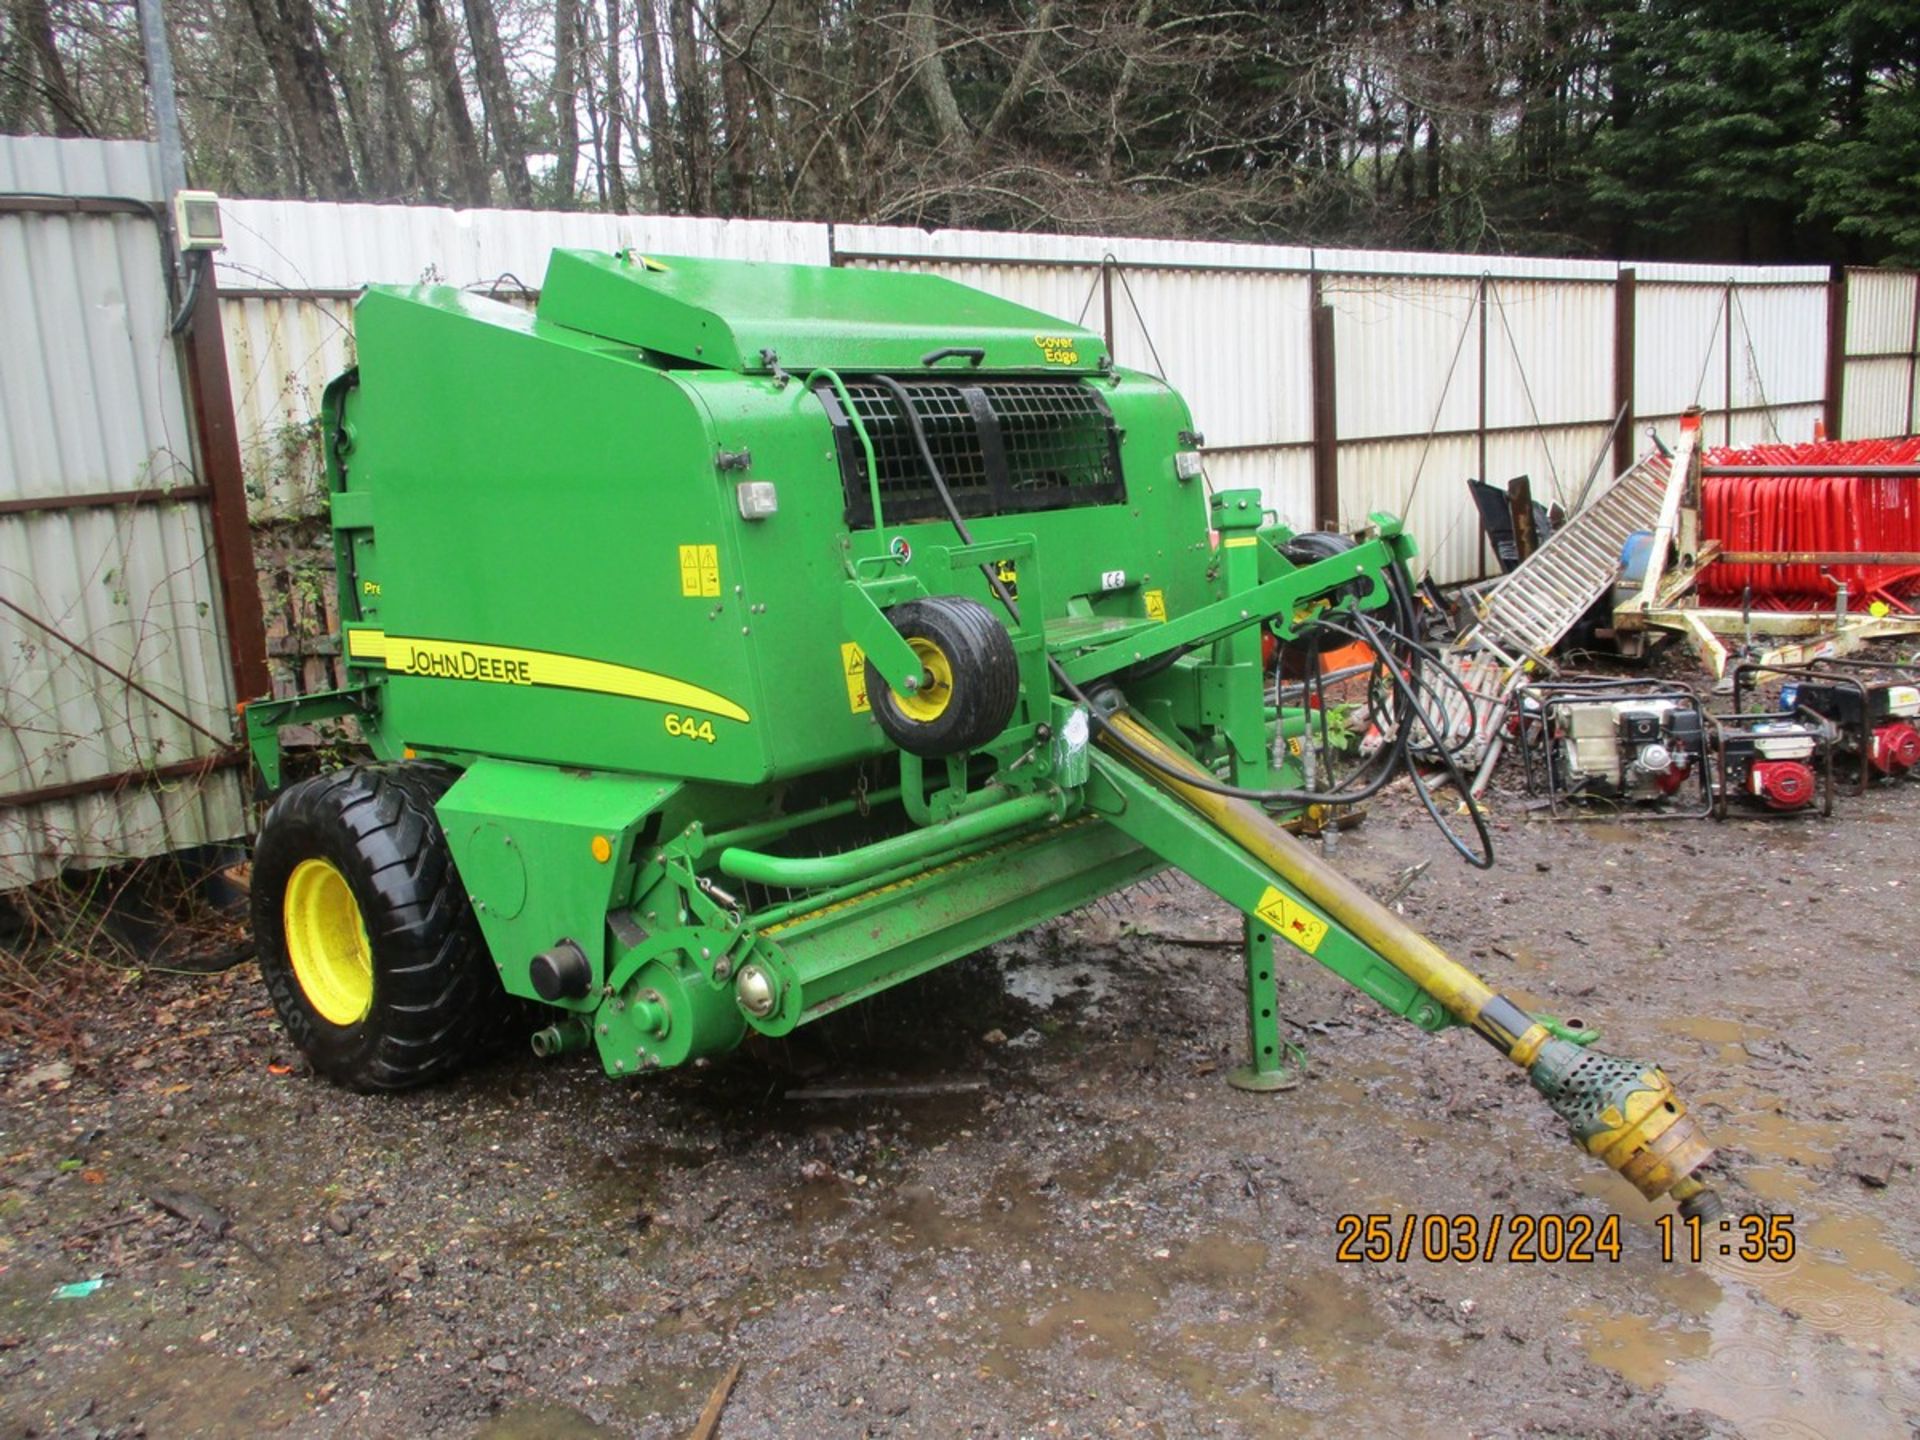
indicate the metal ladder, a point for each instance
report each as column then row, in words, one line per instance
column 1529, row 611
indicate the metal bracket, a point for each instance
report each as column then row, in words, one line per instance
column 266, row 718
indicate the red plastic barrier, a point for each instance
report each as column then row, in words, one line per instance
column 1859, row 513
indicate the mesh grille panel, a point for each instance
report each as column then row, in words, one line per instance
column 1002, row 446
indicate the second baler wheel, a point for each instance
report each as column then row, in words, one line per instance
column 970, row 678
column 367, row 940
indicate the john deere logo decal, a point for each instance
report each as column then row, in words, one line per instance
column 509, row 665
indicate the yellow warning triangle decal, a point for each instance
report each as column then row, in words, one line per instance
column 1291, row 920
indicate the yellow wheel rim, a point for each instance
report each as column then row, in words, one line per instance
column 930, row 701
column 327, row 942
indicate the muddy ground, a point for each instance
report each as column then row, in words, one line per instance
column 1101, row 1239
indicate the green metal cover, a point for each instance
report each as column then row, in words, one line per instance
column 725, row 314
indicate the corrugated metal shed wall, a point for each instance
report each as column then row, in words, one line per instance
column 91, row 402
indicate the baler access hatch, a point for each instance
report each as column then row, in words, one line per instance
column 1004, row 446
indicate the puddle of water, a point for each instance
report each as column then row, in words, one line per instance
column 1856, row 1242
column 1644, row 1350
column 1773, row 1376
column 1111, row 1324
column 540, row 1422
column 1045, row 985
column 1607, row 833
column 1710, row 1028
column 1815, row 1346
column 1747, row 1119
column 185, row 1390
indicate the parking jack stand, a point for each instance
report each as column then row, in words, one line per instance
column 1272, row 1063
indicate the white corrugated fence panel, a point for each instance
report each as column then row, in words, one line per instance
column 1232, row 338
column 1557, row 462
column 1549, row 353
column 1875, row 401
column 38, row 164
column 1420, row 262
column 893, row 242
column 1679, row 342
column 1689, row 273
column 281, row 352
column 1880, row 311
column 313, row 245
column 1406, row 355
column 1779, row 345
column 1065, row 292
column 1381, row 475
column 1284, row 478
column 91, row 402
column 1883, row 323
column 1233, row 343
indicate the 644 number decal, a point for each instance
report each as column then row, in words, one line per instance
column 689, row 727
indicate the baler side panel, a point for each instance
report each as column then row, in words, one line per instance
column 550, row 582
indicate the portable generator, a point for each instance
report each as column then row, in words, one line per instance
column 1622, row 742
column 736, row 641
column 1772, row 764
column 1875, row 720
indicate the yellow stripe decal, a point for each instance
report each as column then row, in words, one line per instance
column 507, row 665
column 1240, row 541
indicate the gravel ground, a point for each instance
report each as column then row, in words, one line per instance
column 1082, row 1231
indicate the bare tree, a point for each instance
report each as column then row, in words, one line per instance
column 693, row 116
column 668, row 193
column 614, row 169
column 464, row 143
column 496, row 98
column 289, row 33
column 35, row 71
column 566, row 100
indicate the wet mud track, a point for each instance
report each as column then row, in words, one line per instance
column 1101, row 1238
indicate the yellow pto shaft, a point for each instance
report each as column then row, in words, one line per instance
column 1623, row 1111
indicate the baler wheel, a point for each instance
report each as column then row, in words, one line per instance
column 367, row 940
column 971, row 678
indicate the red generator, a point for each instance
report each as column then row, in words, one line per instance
column 1872, row 709
column 1772, row 764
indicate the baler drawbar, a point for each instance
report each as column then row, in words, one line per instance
column 736, row 641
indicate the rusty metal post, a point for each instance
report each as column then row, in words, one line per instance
column 1832, row 411
column 1326, row 438
column 1526, row 535
column 1625, row 293
column 217, row 442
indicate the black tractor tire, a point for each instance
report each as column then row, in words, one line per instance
column 973, row 678
column 432, row 1000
